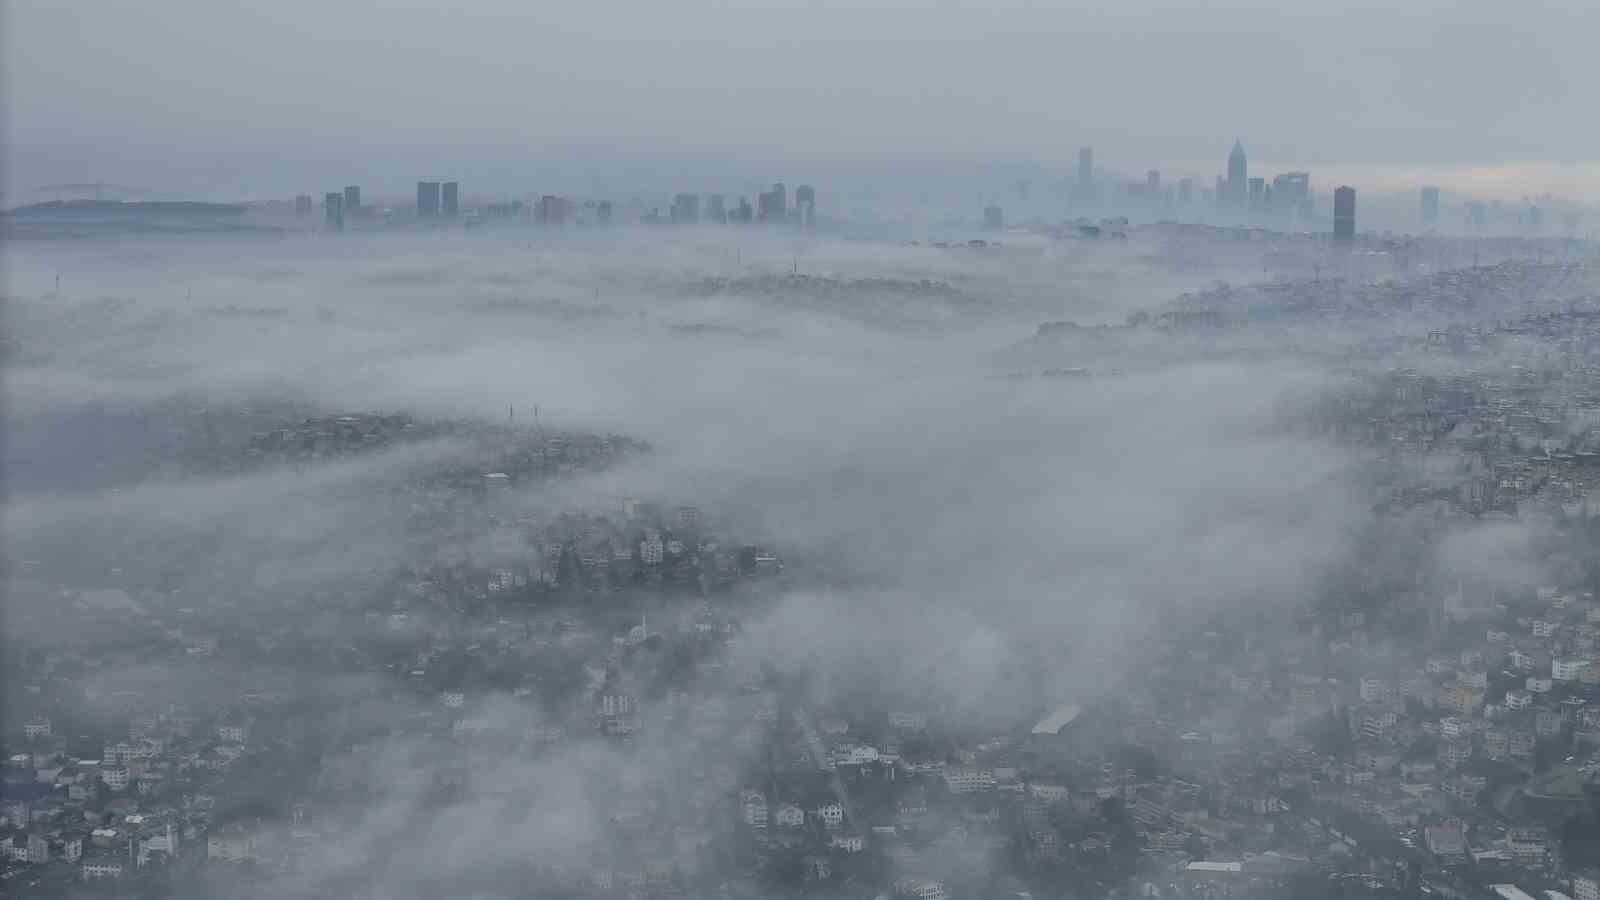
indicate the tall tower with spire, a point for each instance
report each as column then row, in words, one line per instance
column 1238, row 176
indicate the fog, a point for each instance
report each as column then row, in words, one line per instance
column 522, row 550
column 965, row 525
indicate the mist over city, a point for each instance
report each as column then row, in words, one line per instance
column 898, row 451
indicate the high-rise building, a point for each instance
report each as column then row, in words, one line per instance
column 743, row 214
column 427, row 198
column 1290, row 190
column 1344, row 213
column 1085, row 192
column 352, row 200
column 772, row 206
column 603, row 213
column 1152, row 182
column 716, row 209
column 1185, row 192
column 1258, row 194
column 1430, row 205
column 450, row 198
column 1238, row 175
column 552, row 210
column 994, row 218
column 805, row 205
column 685, row 209
column 333, row 210
column 302, row 205
column 1221, row 191
column 1477, row 215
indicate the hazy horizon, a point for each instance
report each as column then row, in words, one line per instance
column 240, row 101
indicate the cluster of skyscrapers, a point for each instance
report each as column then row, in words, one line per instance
column 436, row 198
column 772, row 207
column 442, row 199
column 336, row 206
column 1236, row 195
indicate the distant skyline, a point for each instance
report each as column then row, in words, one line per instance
column 266, row 99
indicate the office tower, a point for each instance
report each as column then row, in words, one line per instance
column 352, row 200
column 993, row 218
column 1344, row 214
column 333, row 210
column 302, row 205
column 450, row 198
column 1258, row 194
column 603, row 213
column 805, row 205
column 1291, row 194
column 1477, row 215
column 1185, row 191
column 1430, row 205
column 773, row 206
column 427, row 199
column 685, row 209
column 1221, row 191
column 744, row 213
column 780, row 203
column 1238, row 175
column 552, row 210
column 1086, row 168
column 716, row 209
column 1290, row 189
column 1152, row 182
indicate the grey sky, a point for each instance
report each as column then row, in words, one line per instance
column 249, row 91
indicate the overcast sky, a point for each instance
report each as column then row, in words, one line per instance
column 261, row 95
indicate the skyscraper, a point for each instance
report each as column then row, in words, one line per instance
column 685, row 209
column 716, row 209
column 1344, row 214
column 1430, row 205
column 427, row 199
column 772, row 206
column 1085, row 192
column 352, row 200
column 805, row 205
column 1186, row 192
column 1238, row 175
column 993, row 218
column 1291, row 189
column 552, row 210
column 302, row 205
column 333, row 210
column 1258, row 194
column 603, row 213
column 450, row 197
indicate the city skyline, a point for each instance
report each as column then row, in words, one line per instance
column 273, row 75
